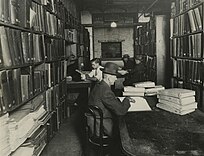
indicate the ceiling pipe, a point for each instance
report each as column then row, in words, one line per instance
column 148, row 8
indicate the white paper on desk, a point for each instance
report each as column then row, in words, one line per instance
column 139, row 105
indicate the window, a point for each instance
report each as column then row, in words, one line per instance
column 111, row 49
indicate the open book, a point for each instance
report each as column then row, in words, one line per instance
column 140, row 104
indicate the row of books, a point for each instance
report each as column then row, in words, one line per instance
column 19, row 85
column 18, row 47
column 71, row 35
column 189, row 70
column 181, row 5
column 56, row 72
column 188, row 22
column 44, row 21
column 188, row 46
column 54, row 49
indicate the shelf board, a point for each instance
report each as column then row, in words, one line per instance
column 25, row 102
column 188, row 34
column 189, row 58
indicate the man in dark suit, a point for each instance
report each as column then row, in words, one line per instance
column 103, row 97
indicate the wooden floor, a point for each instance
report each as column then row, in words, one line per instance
column 67, row 141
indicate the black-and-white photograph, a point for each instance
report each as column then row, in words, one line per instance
column 101, row 77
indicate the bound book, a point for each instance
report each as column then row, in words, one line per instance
column 133, row 94
column 147, row 84
column 177, row 92
column 179, row 101
column 173, row 110
column 178, row 106
column 134, row 89
column 5, row 47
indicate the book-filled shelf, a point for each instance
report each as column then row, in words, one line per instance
column 186, row 39
column 145, row 45
column 34, row 41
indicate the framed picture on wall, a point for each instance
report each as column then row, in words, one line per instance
column 111, row 49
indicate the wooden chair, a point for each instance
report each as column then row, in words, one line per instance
column 95, row 135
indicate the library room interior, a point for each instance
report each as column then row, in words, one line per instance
column 101, row 77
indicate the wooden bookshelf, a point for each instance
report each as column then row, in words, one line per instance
column 33, row 67
column 186, row 39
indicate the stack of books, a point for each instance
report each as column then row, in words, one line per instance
column 133, row 91
column 177, row 100
column 22, row 124
column 150, row 87
column 4, row 136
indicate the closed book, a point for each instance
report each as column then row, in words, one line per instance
column 30, row 40
column 182, row 101
column 5, row 91
column 17, row 85
column 178, row 106
column 2, row 10
column 24, row 13
column 177, row 92
column 133, row 94
column 198, row 18
column 24, row 87
column 12, row 46
column 147, row 84
column 14, row 6
column 25, row 47
column 10, row 82
column 17, row 38
column 173, row 110
column 5, row 47
column 192, row 20
column 133, row 89
column 6, row 11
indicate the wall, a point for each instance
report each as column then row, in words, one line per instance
column 114, row 34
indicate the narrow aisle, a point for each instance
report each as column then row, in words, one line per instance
column 66, row 142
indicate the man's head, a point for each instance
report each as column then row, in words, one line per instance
column 126, row 57
column 95, row 63
column 110, row 72
column 138, row 59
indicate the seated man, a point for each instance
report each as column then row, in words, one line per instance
column 103, row 97
column 96, row 73
column 128, row 63
column 138, row 72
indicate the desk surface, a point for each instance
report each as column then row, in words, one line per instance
column 79, row 84
column 159, row 132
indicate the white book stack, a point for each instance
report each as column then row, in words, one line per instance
column 133, row 91
column 4, row 136
column 150, row 87
column 177, row 100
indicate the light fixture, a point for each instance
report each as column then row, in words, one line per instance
column 113, row 25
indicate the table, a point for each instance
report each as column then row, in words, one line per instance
column 159, row 132
column 79, row 84
column 82, row 90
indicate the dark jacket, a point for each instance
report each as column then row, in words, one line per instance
column 103, row 97
column 136, row 75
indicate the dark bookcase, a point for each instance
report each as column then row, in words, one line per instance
column 36, row 40
column 186, row 39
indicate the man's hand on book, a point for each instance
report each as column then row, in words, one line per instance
column 131, row 99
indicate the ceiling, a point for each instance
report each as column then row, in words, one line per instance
column 96, row 6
